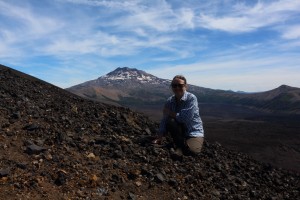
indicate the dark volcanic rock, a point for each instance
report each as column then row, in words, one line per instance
column 4, row 172
column 97, row 151
column 61, row 178
column 35, row 149
column 160, row 178
column 31, row 127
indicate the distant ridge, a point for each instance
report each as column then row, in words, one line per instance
column 135, row 88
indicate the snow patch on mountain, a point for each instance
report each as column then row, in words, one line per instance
column 127, row 73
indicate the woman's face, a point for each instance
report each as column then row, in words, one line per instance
column 178, row 87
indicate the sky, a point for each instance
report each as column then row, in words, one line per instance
column 239, row 45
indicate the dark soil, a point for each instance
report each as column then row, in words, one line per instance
column 55, row 145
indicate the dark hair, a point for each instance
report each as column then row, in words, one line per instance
column 180, row 77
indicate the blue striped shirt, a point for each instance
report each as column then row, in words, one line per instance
column 187, row 112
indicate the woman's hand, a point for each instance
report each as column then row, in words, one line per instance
column 169, row 113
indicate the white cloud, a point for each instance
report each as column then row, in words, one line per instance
column 283, row 6
column 57, row 34
column 107, row 45
column 23, row 30
column 105, row 3
column 228, row 24
column 154, row 15
column 242, row 18
column 230, row 16
column 291, row 32
column 70, row 47
column 30, row 24
column 8, row 36
column 185, row 18
column 7, row 50
column 140, row 32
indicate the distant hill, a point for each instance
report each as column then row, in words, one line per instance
column 142, row 91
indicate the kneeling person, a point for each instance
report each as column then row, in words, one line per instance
column 182, row 119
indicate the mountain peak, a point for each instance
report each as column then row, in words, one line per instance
column 126, row 73
column 283, row 88
column 122, row 70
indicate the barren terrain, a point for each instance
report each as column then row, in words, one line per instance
column 55, row 145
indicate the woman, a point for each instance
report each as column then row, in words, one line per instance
column 181, row 118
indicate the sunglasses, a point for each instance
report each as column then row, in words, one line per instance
column 173, row 85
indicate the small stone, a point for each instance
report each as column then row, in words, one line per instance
column 16, row 115
column 244, row 184
column 147, row 130
column 216, row 193
column 253, row 193
column 131, row 196
column 160, row 177
column 48, row 156
column 132, row 175
column 21, row 165
column 138, row 183
column 101, row 191
column 61, row 178
column 101, row 140
column 3, row 179
column 40, row 142
column 125, row 139
column 17, row 185
column 31, row 127
column 2, row 138
column 188, row 179
column 35, row 149
column 117, row 179
column 91, row 155
column 28, row 142
column 35, row 162
column 93, row 180
column 80, row 193
column 173, row 182
column 4, row 172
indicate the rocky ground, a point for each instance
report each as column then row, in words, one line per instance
column 54, row 145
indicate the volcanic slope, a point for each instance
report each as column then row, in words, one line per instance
column 55, row 145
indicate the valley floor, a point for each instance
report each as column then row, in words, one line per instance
column 269, row 139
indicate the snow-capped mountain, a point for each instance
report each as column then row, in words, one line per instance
column 126, row 73
column 124, row 84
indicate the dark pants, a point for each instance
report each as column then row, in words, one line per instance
column 177, row 131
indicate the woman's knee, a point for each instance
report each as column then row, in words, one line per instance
column 195, row 144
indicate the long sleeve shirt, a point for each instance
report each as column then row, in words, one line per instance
column 187, row 112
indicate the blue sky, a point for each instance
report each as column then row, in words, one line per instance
column 220, row 44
